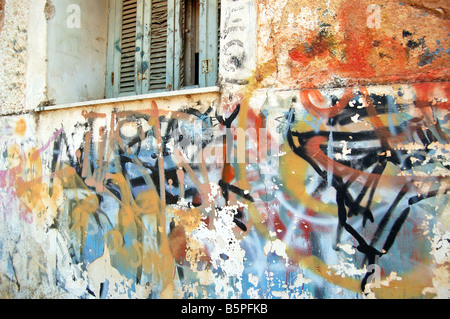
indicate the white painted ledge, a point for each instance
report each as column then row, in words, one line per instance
column 150, row 96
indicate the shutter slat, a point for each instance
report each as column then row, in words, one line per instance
column 158, row 45
column 128, row 46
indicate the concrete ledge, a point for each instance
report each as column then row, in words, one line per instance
column 159, row 95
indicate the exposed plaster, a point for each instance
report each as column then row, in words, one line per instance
column 49, row 10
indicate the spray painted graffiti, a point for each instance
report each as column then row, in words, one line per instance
column 128, row 195
column 351, row 172
column 343, row 158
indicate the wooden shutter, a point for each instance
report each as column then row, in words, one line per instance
column 146, row 47
column 189, row 31
column 128, row 47
column 209, row 28
column 158, row 45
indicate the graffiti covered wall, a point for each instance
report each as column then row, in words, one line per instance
column 320, row 169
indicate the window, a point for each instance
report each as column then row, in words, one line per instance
column 161, row 45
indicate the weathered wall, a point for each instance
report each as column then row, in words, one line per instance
column 13, row 55
column 303, row 44
column 337, row 118
column 77, row 33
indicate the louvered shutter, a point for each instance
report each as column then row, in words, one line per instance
column 128, row 47
column 146, row 48
column 158, row 45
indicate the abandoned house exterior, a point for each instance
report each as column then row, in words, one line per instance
column 224, row 149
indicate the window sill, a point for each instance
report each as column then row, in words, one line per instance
column 211, row 89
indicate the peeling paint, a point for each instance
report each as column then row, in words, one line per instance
column 133, row 198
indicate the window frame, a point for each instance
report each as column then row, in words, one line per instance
column 208, row 47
